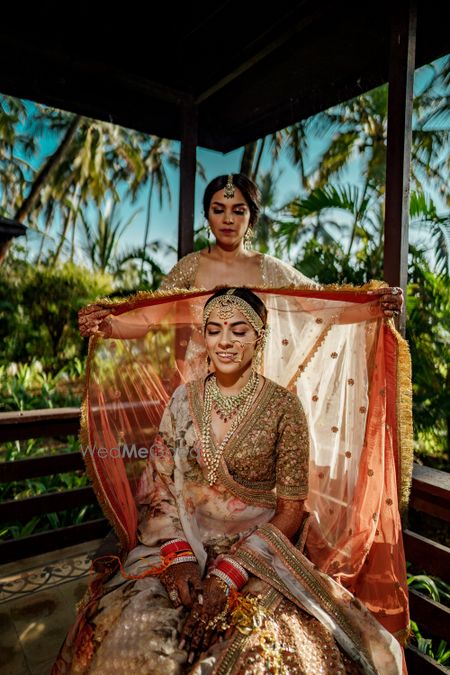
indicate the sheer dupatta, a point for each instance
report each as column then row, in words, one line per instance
column 351, row 371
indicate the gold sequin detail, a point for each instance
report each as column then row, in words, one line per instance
column 351, row 382
column 334, row 355
column 182, row 275
column 334, row 429
column 269, row 449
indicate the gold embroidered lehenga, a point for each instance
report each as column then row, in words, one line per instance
column 305, row 621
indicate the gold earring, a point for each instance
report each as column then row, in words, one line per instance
column 208, row 229
column 248, row 238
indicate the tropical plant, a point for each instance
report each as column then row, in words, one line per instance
column 38, row 311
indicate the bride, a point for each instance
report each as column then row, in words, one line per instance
column 216, row 575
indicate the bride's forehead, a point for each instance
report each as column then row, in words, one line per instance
column 230, row 315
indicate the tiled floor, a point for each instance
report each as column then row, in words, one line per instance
column 37, row 607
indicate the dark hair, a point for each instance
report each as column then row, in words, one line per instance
column 248, row 188
column 249, row 297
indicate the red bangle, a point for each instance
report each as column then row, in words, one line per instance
column 237, row 577
column 175, row 546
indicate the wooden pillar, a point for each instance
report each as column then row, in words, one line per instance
column 188, row 163
column 401, row 80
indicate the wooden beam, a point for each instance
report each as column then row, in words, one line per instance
column 430, row 616
column 41, row 466
column 188, row 166
column 426, row 554
column 398, row 159
column 430, row 492
column 24, row 509
column 420, row 664
column 16, row 549
column 48, row 423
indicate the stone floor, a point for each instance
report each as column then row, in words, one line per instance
column 37, row 606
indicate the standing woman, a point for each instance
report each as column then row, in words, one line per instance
column 231, row 205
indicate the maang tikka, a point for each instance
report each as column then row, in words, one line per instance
column 228, row 190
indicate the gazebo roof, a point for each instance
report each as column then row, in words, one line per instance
column 251, row 70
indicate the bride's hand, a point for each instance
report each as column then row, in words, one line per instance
column 92, row 320
column 206, row 618
column 183, row 583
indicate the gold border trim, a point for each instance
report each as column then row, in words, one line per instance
column 405, row 438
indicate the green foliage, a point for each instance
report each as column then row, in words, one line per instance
column 435, row 588
column 38, row 312
column 329, row 263
column 428, row 332
column 439, row 591
column 425, row 645
column 26, row 386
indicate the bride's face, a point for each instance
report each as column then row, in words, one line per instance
column 229, row 218
column 230, row 342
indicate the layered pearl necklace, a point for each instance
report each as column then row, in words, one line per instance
column 237, row 406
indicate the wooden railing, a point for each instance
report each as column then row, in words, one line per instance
column 48, row 423
column 430, row 494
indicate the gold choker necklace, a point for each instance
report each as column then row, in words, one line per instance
column 240, row 405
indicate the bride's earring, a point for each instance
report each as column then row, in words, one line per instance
column 259, row 351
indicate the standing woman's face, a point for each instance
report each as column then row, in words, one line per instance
column 229, row 218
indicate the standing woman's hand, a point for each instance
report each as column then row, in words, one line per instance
column 391, row 300
column 93, row 320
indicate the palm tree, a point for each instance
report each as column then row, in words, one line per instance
column 361, row 214
column 294, row 138
column 103, row 240
column 90, row 160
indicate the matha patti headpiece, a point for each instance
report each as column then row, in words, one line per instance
column 227, row 304
column 228, row 190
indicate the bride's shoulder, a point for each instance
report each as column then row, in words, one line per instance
column 184, row 390
column 282, row 395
